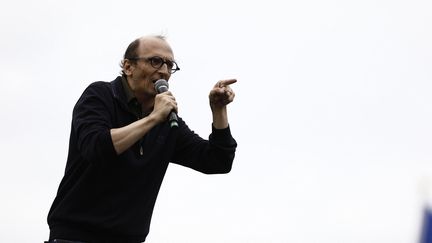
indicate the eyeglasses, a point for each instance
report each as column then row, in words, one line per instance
column 158, row 62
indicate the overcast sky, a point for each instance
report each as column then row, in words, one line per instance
column 332, row 115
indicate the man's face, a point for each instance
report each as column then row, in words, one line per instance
column 142, row 75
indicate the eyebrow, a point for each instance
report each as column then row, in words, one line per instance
column 169, row 59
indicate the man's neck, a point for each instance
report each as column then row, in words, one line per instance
column 146, row 100
column 147, row 104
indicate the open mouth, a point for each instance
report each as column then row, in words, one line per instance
column 155, row 80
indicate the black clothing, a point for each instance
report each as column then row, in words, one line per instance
column 62, row 241
column 132, row 101
column 105, row 197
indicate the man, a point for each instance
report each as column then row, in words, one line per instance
column 120, row 146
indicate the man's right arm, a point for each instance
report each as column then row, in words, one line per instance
column 124, row 137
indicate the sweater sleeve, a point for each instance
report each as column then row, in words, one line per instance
column 92, row 123
column 212, row 156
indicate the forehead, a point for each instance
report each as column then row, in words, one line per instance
column 155, row 47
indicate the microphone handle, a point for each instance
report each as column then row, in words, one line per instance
column 173, row 120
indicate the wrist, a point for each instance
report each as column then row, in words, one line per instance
column 220, row 118
column 152, row 118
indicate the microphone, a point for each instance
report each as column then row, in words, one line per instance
column 162, row 86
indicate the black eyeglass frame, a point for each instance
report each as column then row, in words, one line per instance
column 159, row 63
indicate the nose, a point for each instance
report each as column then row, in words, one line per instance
column 164, row 70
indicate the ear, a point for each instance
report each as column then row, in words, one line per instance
column 128, row 67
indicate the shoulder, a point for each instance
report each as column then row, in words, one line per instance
column 98, row 86
column 97, row 91
column 103, row 87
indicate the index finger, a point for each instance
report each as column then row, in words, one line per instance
column 227, row 82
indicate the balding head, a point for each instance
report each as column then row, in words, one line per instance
column 144, row 42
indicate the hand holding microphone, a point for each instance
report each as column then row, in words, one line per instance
column 162, row 86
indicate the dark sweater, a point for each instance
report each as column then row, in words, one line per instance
column 105, row 197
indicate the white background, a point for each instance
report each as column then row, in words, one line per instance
column 332, row 115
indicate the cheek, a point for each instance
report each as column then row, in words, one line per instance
column 149, row 86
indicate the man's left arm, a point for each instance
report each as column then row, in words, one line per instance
column 215, row 155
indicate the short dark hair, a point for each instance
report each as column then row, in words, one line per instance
column 132, row 51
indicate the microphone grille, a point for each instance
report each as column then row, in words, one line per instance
column 160, row 84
